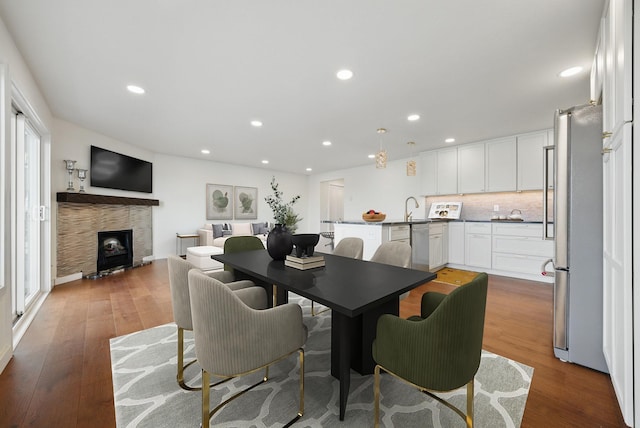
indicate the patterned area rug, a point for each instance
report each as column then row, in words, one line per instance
column 455, row 276
column 146, row 393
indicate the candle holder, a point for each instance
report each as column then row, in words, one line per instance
column 82, row 175
column 70, row 164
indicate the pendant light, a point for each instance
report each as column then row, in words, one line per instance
column 381, row 155
column 411, row 163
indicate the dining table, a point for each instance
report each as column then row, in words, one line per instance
column 356, row 291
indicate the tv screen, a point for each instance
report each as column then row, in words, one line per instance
column 113, row 170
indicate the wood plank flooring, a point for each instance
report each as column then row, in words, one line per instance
column 60, row 375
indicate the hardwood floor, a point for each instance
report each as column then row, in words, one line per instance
column 60, row 375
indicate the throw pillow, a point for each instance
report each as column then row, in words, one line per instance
column 241, row 228
column 259, row 228
column 227, row 233
column 217, row 230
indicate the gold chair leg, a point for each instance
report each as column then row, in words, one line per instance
column 207, row 415
column 205, row 399
column 376, row 397
column 182, row 366
column 470, row 404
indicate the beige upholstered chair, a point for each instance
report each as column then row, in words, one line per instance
column 178, row 282
column 395, row 253
column 347, row 247
column 233, row 339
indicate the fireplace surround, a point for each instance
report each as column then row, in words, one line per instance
column 81, row 216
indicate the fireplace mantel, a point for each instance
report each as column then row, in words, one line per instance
column 88, row 198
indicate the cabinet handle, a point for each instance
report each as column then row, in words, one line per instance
column 606, row 134
column 606, row 150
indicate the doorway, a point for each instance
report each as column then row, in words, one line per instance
column 331, row 203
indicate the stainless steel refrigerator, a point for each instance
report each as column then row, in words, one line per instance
column 576, row 196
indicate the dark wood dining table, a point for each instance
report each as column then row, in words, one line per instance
column 357, row 292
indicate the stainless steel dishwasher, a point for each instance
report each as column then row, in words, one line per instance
column 420, row 246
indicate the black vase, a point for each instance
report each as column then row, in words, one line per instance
column 279, row 242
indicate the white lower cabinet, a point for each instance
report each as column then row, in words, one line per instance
column 438, row 245
column 456, row 243
column 520, row 248
column 478, row 245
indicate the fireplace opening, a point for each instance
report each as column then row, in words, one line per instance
column 115, row 250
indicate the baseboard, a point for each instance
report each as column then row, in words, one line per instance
column 68, row 278
column 5, row 356
column 537, row 278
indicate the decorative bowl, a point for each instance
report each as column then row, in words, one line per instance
column 373, row 217
column 305, row 243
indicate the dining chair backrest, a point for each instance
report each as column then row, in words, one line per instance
column 179, row 285
column 235, row 244
column 395, row 253
column 349, row 247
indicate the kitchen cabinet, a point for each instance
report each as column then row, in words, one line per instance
column 471, row 168
column 371, row 235
column 456, row 243
column 439, row 172
column 438, row 252
column 478, row 245
column 519, row 247
column 530, row 160
column 502, row 165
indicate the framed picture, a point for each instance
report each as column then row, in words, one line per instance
column 219, row 202
column 245, row 201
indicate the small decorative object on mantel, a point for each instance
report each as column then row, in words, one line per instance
column 82, row 175
column 304, row 263
column 279, row 239
column 70, row 165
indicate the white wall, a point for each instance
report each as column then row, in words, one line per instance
column 181, row 187
column 14, row 71
column 366, row 188
column 178, row 183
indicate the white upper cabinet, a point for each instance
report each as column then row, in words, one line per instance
column 447, row 171
column 471, row 168
column 429, row 172
column 616, row 38
column 438, row 172
column 530, row 160
column 501, row 165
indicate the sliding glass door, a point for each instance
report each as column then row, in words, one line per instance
column 29, row 213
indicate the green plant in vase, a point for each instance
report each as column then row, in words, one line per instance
column 283, row 211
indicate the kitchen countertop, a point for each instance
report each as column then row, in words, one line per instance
column 425, row 221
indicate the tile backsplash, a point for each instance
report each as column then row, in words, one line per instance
column 480, row 206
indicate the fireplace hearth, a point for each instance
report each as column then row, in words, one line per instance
column 115, row 250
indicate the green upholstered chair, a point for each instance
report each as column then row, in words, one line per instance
column 236, row 244
column 232, row 339
column 438, row 351
column 181, row 304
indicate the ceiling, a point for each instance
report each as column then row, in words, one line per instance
column 471, row 69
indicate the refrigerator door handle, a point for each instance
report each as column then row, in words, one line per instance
column 545, row 192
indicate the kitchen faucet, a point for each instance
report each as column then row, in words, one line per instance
column 407, row 213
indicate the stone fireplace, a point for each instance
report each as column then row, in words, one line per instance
column 82, row 216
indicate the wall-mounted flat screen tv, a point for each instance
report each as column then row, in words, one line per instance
column 113, row 170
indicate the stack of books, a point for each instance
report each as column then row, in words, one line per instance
column 303, row 263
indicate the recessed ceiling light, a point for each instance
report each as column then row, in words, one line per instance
column 308, row 170
column 371, row 156
column 413, row 117
column 135, row 89
column 256, row 123
column 205, row 151
column 570, row 71
column 265, row 161
column 450, row 140
column 344, row 74
column 326, row 143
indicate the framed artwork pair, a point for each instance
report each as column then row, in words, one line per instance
column 225, row 202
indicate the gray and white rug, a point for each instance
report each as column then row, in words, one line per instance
column 146, row 393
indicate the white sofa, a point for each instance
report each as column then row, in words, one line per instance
column 214, row 234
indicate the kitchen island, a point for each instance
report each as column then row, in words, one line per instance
column 415, row 232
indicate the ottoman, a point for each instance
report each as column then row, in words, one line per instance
column 201, row 257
